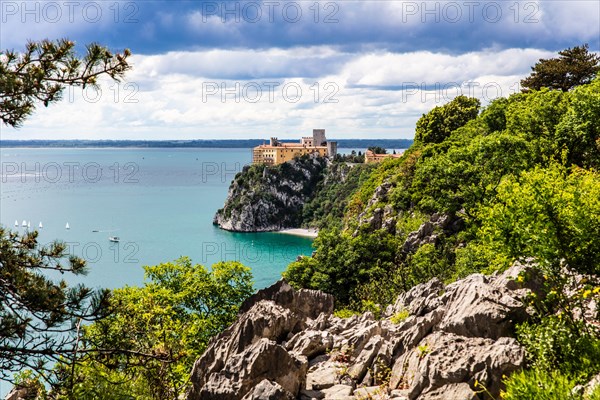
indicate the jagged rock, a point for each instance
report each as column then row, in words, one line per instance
column 271, row 314
column 476, row 309
column 365, row 359
column 419, row 300
column 337, row 392
column 454, row 391
column 322, row 376
column 242, row 372
column 310, row 343
column 429, row 231
column 306, row 303
column 423, row 235
column 267, row 390
column 445, row 358
column 453, row 335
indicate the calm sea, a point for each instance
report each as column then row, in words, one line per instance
column 159, row 202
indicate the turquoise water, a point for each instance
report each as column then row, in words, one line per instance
column 159, row 202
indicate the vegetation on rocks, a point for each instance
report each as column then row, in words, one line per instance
column 310, row 191
column 478, row 192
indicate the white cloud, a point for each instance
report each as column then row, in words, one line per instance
column 179, row 95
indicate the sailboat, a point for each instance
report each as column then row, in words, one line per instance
column 40, row 225
column 29, row 225
column 24, row 223
column 16, row 223
column 67, row 226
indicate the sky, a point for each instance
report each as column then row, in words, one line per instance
column 256, row 69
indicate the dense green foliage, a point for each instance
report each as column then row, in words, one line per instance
column 340, row 182
column 439, row 123
column 496, row 169
column 45, row 68
column 575, row 66
column 475, row 193
column 146, row 347
column 38, row 315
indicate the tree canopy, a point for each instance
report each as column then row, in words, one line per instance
column 41, row 73
column 146, row 347
column 438, row 123
column 39, row 316
column 574, row 66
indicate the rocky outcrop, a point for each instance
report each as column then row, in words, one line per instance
column 263, row 198
column 434, row 342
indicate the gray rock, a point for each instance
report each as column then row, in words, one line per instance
column 305, row 303
column 445, row 358
column 273, row 201
column 267, row 390
column 242, row 372
column 288, row 341
column 337, row 392
column 323, row 376
column 454, row 391
column 369, row 392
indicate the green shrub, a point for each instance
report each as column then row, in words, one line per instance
column 400, row 316
column 345, row 313
column 537, row 384
column 556, row 343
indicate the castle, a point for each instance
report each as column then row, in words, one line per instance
column 277, row 152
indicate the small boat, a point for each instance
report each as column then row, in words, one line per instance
column 95, row 230
column 67, row 226
column 114, row 239
column 40, row 225
column 16, row 223
column 29, row 225
column 24, row 223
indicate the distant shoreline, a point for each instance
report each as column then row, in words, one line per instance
column 205, row 143
column 309, row 233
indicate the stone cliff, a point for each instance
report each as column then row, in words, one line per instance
column 436, row 342
column 263, row 198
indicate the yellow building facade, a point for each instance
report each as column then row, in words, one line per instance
column 277, row 152
column 274, row 155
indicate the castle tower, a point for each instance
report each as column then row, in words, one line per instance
column 273, row 141
column 319, row 137
column 331, row 149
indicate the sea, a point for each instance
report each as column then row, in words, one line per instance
column 159, row 202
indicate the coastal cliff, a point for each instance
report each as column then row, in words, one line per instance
column 263, row 198
column 309, row 192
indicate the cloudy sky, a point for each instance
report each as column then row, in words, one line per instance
column 253, row 69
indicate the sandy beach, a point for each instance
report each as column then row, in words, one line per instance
column 311, row 233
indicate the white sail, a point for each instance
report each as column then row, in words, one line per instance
column 24, row 223
column 67, row 226
column 40, row 225
column 29, row 224
column 16, row 223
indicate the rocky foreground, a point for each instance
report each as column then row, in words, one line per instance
column 436, row 342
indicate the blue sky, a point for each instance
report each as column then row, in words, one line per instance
column 205, row 69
